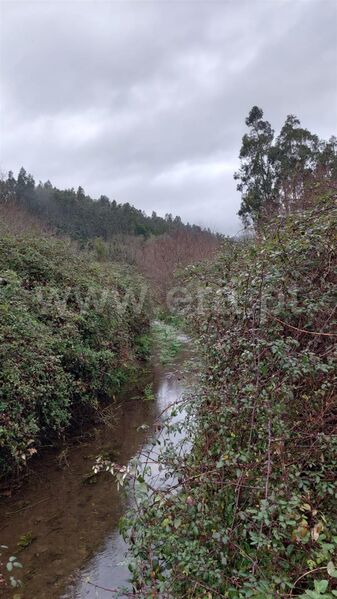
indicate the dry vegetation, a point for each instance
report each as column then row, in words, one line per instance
column 17, row 221
column 159, row 258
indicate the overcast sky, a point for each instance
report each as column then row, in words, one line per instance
column 145, row 101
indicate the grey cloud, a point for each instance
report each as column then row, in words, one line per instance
column 122, row 97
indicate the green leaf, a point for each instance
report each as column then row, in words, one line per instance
column 321, row 585
column 312, row 595
column 332, row 571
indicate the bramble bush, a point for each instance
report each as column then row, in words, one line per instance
column 252, row 511
column 69, row 338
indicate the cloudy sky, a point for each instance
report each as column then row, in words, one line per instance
column 145, row 101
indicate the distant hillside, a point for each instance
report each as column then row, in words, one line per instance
column 76, row 214
column 117, row 233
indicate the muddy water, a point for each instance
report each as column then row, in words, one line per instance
column 72, row 519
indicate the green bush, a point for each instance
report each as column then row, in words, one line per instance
column 67, row 339
column 254, row 513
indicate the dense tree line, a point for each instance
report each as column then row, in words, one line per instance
column 278, row 174
column 76, row 214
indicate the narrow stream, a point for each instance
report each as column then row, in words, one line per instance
column 72, row 519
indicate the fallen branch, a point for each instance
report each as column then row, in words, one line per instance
column 286, row 324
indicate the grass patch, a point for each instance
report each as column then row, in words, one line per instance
column 166, row 341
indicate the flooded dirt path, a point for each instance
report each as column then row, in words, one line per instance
column 70, row 519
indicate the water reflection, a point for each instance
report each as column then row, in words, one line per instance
column 73, row 520
column 108, row 568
